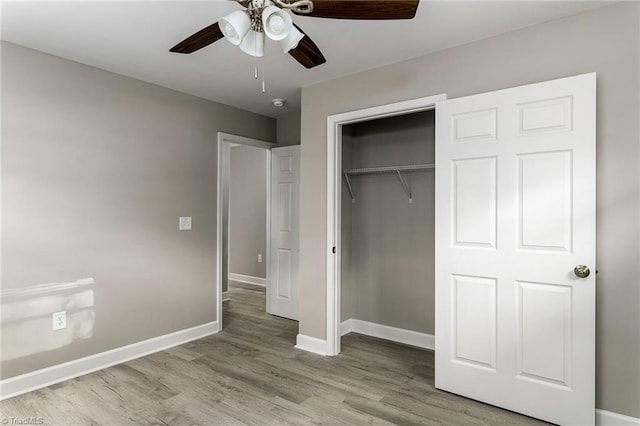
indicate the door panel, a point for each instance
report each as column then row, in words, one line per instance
column 283, row 290
column 549, row 115
column 544, row 201
column 474, row 321
column 283, row 277
column 544, row 341
column 474, row 126
column 474, row 184
column 284, row 207
column 515, row 213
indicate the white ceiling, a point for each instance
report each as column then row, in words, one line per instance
column 134, row 38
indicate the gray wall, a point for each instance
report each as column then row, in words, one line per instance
column 289, row 128
column 392, row 242
column 604, row 40
column 247, row 211
column 96, row 170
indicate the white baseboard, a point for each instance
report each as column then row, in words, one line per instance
column 346, row 327
column 609, row 418
column 311, row 344
column 247, row 279
column 58, row 373
column 408, row 337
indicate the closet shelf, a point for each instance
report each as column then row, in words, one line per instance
column 388, row 169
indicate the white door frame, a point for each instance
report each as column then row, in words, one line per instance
column 226, row 138
column 334, row 195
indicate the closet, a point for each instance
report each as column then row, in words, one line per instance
column 387, row 225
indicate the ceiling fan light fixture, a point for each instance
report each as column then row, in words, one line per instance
column 291, row 40
column 235, row 26
column 253, row 44
column 276, row 23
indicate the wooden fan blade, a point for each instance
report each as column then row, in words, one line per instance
column 307, row 53
column 201, row 39
column 364, row 9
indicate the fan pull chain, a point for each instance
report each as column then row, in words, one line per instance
column 255, row 58
column 255, row 67
column 264, row 85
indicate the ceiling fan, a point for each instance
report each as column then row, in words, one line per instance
column 247, row 28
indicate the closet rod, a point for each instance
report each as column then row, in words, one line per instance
column 388, row 169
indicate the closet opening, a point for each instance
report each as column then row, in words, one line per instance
column 387, row 257
column 380, row 201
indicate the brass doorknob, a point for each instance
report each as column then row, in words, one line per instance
column 581, row 271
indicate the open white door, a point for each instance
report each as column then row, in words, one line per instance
column 515, row 214
column 283, row 288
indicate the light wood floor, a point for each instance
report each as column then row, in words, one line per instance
column 250, row 373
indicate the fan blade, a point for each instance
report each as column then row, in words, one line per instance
column 307, row 53
column 364, row 9
column 201, row 39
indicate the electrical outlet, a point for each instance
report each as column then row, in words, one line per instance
column 259, row 258
column 59, row 320
column 184, row 224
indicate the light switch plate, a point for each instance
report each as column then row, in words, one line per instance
column 184, row 224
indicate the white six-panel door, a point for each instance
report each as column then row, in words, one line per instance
column 515, row 213
column 283, row 288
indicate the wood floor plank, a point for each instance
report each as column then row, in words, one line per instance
column 251, row 374
column 388, row 412
column 342, row 413
column 342, row 386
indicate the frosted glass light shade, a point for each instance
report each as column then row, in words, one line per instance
column 276, row 23
column 253, row 44
column 291, row 40
column 235, row 26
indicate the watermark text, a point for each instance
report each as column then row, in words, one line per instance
column 22, row 420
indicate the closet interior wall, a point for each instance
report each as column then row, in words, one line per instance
column 388, row 257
